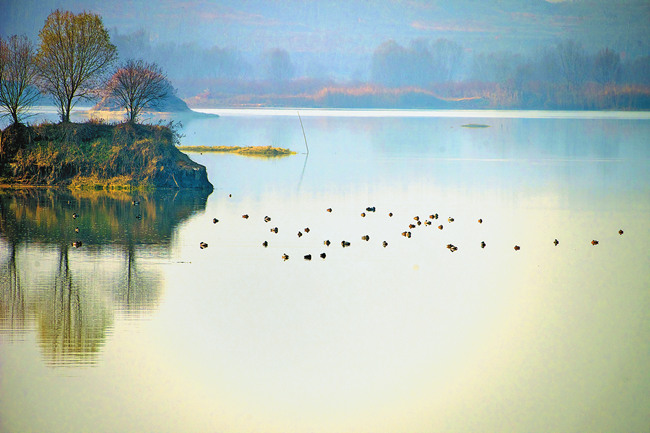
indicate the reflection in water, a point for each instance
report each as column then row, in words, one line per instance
column 72, row 292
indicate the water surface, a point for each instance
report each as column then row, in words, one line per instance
column 141, row 330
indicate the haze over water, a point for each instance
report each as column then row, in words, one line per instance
column 141, row 330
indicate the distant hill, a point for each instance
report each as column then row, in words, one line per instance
column 171, row 104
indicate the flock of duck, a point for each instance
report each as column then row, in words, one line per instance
column 416, row 222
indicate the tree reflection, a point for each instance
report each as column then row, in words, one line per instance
column 70, row 295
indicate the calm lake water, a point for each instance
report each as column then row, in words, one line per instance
column 141, row 330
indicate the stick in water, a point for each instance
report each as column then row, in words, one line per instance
column 303, row 132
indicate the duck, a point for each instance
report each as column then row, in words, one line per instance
column 440, row 227
column 265, row 244
column 483, row 244
column 594, row 242
column 556, row 242
column 245, row 216
column 411, row 226
column 480, row 220
column 214, row 220
column 75, row 216
column 329, row 209
column 135, row 203
column 327, row 243
column 431, row 217
column 620, row 232
column 390, row 214
column 323, row 255
column 345, row 244
column 416, row 218
column 76, row 229
column 203, row 245
column 365, row 238
column 299, row 233
column 306, row 229
column 427, row 223
column 419, row 223
column 285, row 257
column 274, row 230
column 307, row 256
column 517, row 247
column 267, row 219
column 370, row 209
column 384, row 244
column 452, row 247
column 363, row 214
column 138, row 217
column 77, row 244
column 450, row 219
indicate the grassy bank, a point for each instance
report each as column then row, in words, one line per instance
column 97, row 155
column 267, row 151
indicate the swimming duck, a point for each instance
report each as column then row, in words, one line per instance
column 363, row 214
column 299, row 233
column 267, row 219
column 323, row 255
column 329, row 209
column 620, row 232
column 370, row 209
column 77, row 244
column 594, row 242
column 285, row 257
column 245, row 216
column 483, row 244
column 517, row 247
column 450, row 219
column 203, row 245
column 440, row 227
column 480, row 220
column 327, row 243
column 431, row 217
column 138, row 217
column 265, row 244
column 365, row 238
column 306, row 229
column 274, row 230
column 416, row 218
column 385, row 244
column 345, row 244
column 411, row 226
column 76, row 229
column 214, row 220
column 390, row 214
column 135, row 203
column 419, row 223
column 308, row 257
column 555, row 242
column 74, row 216
column 427, row 223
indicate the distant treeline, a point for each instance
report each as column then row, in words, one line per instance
column 428, row 73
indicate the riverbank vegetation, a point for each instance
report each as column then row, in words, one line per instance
column 97, row 155
column 264, row 151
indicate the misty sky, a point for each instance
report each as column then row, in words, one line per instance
column 357, row 26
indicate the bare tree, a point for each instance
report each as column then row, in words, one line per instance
column 17, row 76
column 138, row 85
column 74, row 52
column 607, row 66
column 572, row 60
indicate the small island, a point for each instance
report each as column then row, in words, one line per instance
column 97, row 155
column 261, row 151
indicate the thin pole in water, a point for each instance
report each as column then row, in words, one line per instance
column 303, row 132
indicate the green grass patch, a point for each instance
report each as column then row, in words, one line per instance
column 267, row 151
